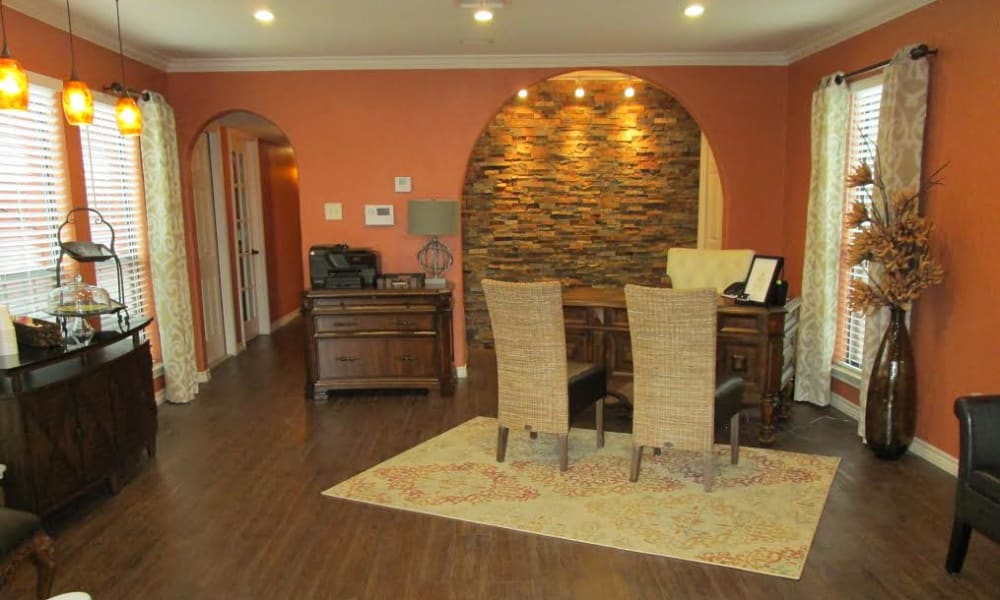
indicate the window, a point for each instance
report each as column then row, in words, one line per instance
column 866, row 99
column 34, row 199
column 113, row 173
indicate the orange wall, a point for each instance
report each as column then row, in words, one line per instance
column 954, row 326
column 353, row 131
column 280, row 189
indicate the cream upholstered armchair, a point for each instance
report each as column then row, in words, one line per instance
column 677, row 403
column 538, row 389
column 690, row 268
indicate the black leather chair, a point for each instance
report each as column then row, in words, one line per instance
column 977, row 499
column 21, row 538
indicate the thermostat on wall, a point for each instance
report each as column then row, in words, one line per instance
column 379, row 214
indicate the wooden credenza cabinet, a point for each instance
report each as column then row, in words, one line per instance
column 378, row 339
column 755, row 342
column 71, row 419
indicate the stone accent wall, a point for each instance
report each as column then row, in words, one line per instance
column 589, row 191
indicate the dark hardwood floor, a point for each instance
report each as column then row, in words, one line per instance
column 231, row 509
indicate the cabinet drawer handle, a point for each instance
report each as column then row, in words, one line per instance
column 406, row 358
column 348, row 358
column 739, row 362
column 405, row 323
column 351, row 323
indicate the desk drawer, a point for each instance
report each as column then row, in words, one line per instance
column 390, row 322
column 380, row 302
column 375, row 357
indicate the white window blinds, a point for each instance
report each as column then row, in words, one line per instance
column 113, row 172
column 865, row 108
column 34, row 200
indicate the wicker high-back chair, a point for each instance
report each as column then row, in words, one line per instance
column 538, row 389
column 673, row 359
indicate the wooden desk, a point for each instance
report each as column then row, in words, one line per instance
column 755, row 342
column 378, row 338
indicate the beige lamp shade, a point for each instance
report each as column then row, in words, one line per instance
column 432, row 217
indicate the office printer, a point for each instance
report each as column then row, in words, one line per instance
column 339, row 267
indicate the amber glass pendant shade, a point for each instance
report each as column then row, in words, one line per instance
column 13, row 85
column 128, row 116
column 78, row 103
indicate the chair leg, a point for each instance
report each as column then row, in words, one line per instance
column 502, row 442
column 960, row 532
column 709, row 471
column 563, row 451
column 633, row 472
column 734, row 439
column 43, row 554
column 599, row 408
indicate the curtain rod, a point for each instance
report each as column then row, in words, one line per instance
column 117, row 88
column 916, row 52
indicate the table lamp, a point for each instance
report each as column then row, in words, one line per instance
column 433, row 218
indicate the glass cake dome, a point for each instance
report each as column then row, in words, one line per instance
column 79, row 299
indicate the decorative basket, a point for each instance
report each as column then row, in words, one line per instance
column 36, row 333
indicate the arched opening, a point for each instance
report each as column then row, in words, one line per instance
column 590, row 187
column 246, row 200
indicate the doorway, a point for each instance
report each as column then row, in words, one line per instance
column 234, row 191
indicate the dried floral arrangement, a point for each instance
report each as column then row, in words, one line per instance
column 894, row 239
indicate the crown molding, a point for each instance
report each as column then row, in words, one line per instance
column 870, row 21
column 475, row 61
column 85, row 29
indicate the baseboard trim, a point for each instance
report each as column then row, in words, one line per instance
column 845, row 406
column 160, row 396
column 204, row 376
column 936, row 456
column 285, row 320
column 462, row 371
column 932, row 454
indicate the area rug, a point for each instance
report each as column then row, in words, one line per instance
column 760, row 516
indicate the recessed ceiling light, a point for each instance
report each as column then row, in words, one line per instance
column 483, row 15
column 629, row 92
column 579, row 92
column 263, row 15
column 522, row 93
column 694, row 10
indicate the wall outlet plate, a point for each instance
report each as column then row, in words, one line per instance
column 333, row 211
column 403, row 184
column 379, row 214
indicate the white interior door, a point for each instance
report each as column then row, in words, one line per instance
column 709, row 200
column 251, row 270
column 208, row 251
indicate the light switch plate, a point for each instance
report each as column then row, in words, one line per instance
column 403, row 184
column 334, row 211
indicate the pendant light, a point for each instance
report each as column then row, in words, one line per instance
column 78, row 102
column 13, row 78
column 126, row 110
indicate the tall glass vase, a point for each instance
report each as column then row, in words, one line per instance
column 891, row 409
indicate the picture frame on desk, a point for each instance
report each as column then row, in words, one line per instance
column 760, row 287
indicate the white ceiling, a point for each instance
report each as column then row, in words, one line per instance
column 221, row 35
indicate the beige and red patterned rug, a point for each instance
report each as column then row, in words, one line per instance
column 760, row 516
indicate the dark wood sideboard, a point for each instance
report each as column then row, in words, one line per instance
column 72, row 419
column 378, row 339
column 755, row 342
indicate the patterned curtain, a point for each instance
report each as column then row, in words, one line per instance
column 831, row 104
column 165, row 219
column 900, row 146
